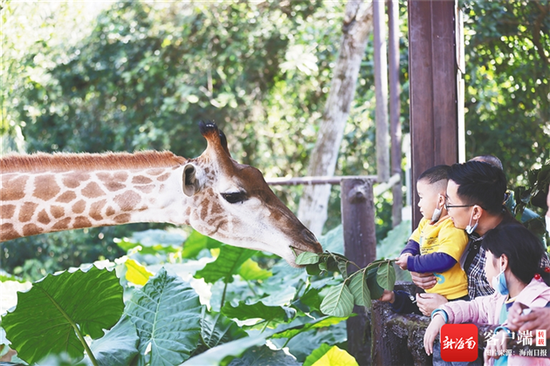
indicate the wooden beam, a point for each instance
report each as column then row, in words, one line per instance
column 433, row 88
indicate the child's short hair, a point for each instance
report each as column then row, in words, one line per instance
column 435, row 174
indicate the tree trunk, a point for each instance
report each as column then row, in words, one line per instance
column 381, row 89
column 312, row 210
column 395, row 108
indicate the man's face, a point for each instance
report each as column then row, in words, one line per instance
column 460, row 215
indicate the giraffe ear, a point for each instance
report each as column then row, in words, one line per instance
column 190, row 181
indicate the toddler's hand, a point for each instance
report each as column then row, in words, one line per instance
column 402, row 261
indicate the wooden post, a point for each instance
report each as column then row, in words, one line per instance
column 433, row 88
column 357, row 200
column 395, row 108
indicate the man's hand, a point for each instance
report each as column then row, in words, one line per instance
column 424, row 280
column 402, row 261
column 388, row 296
column 537, row 318
column 429, row 302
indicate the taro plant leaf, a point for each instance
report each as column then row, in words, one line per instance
column 226, row 265
column 330, row 356
column 215, row 356
column 359, row 289
column 250, row 271
column 323, row 322
column 386, row 276
column 118, row 346
column 166, row 313
column 264, row 356
column 59, row 310
column 216, row 329
column 258, row 310
column 197, row 242
column 136, row 273
column 338, row 301
column 306, row 258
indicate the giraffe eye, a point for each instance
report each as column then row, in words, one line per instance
column 234, row 197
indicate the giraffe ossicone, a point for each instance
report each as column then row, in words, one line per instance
column 218, row 197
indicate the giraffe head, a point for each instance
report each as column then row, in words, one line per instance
column 235, row 205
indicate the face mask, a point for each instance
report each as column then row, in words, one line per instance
column 437, row 213
column 470, row 229
column 499, row 283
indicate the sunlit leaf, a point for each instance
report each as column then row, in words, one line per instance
column 136, row 273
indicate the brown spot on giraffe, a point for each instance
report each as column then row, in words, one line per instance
column 114, row 186
column 146, row 189
column 57, row 211
column 141, row 179
column 7, row 232
column 81, row 222
column 123, row 218
column 110, row 211
column 79, row 206
column 43, row 217
column 154, row 171
column 26, row 211
column 163, row 177
column 45, row 187
column 66, row 197
column 13, row 187
column 92, row 190
column 62, row 224
column 7, row 211
column 128, row 200
column 113, row 181
column 31, row 229
column 95, row 210
column 74, row 179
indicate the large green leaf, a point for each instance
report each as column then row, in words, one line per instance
column 323, row 322
column 118, row 346
column 386, row 276
column 47, row 316
column 197, row 242
column 166, row 313
column 216, row 329
column 258, row 310
column 226, row 265
column 338, row 301
column 264, row 356
column 251, row 271
column 360, row 290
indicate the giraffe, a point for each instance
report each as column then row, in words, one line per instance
column 218, row 197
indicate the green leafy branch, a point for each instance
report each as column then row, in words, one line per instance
column 358, row 288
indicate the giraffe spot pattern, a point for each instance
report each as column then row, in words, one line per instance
column 92, row 190
column 45, row 187
column 43, row 217
column 7, row 232
column 122, row 218
column 146, row 189
column 57, row 211
column 110, row 211
column 62, row 224
column 7, row 211
column 66, row 197
column 31, row 229
column 95, row 210
column 81, row 222
column 26, row 211
column 163, row 177
column 74, row 179
column 79, row 207
column 13, row 187
column 128, row 200
column 140, row 179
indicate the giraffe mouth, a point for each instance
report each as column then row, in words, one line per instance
column 297, row 251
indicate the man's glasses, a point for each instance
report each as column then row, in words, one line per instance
column 447, row 206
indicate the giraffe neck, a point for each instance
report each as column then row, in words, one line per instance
column 41, row 200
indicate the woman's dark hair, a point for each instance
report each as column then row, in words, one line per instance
column 480, row 184
column 523, row 249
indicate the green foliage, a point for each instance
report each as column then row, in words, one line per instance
column 357, row 288
column 166, row 313
column 330, row 356
column 58, row 311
